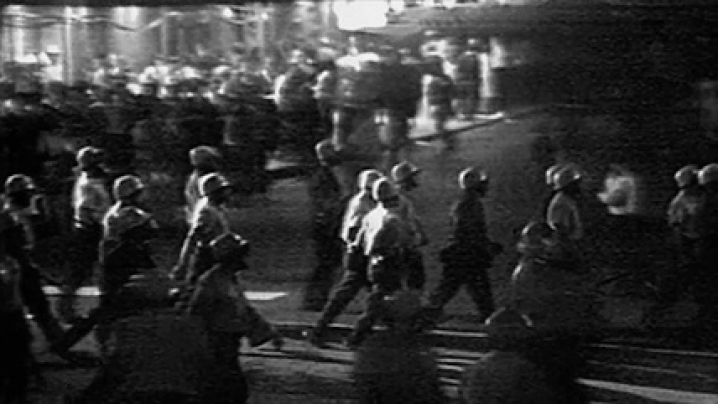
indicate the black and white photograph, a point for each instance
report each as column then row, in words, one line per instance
column 358, row 201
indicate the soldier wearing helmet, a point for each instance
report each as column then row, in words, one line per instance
column 470, row 252
column 90, row 202
column 386, row 239
column 228, row 316
column 17, row 241
column 355, row 261
column 404, row 175
column 205, row 160
column 683, row 211
column 209, row 220
column 563, row 212
column 327, row 203
column 124, row 248
column 438, row 92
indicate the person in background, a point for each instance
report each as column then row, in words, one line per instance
column 438, row 92
column 205, row 160
column 563, row 212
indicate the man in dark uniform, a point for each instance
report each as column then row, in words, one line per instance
column 469, row 254
column 327, row 209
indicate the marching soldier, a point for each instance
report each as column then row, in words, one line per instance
column 18, row 239
column 467, row 83
column 438, row 92
column 90, row 201
column 354, row 262
column 228, row 316
column 385, row 239
column 683, row 212
column 209, row 221
column 327, row 208
column 562, row 212
column 205, row 160
column 470, row 252
column 404, row 177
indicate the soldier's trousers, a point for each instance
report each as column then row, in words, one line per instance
column 328, row 253
column 36, row 301
column 352, row 282
column 84, row 256
column 229, row 384
column 473, row 278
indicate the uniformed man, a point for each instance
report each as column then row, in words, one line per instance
column 549, row 177
column 467, row 83
column 563, row 212
column 90, row 202
column 228, row 316
column 19, row 239
column 404, row 175
column 355, row 261
column 470, row 252
column 327, row 208
column 209, row 220
column 385, row 238
column 205, row 160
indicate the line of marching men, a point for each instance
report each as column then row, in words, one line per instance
column 113, row 226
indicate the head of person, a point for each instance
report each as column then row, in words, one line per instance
column 216, row 187
column 404, row 175
column 90, row 158
column 327, row 154
column 708, row 177
column 687, row 176
column 474, row 181
column 20, row 190
column 205, row 159
column 230, row 250
column 537, row 239
column 550, row 173
column 385, row 194
column 128, row 189
column 568, row 180
column 133, row 223
column 366, row 180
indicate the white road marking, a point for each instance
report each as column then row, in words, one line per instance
column 93, row 291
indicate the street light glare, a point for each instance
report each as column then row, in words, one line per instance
column 352, row 15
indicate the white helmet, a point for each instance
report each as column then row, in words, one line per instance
column 403, row 171
column 686, row 176
column 212, row 183
column 367, row 178
column 127, row 186
column 566, row 176
column 551, row 172
column 384, row 191
column 708, row 174
column 473, row 177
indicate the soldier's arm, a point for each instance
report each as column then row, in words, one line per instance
column 199, row 226
column 202, row 300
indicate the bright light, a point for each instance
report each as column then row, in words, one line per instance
column 227, row 12
column 353, row 15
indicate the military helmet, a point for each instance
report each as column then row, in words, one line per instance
column 551, row 172
column 127, row 186
column 367, row 178
column 708, row 174
column 535, row 236
column 325, row 150
column 384, row 191
column 473, row 177
column 19, row 183
column 130, row 217
column 202, row 155
column 89, row 156
column 212, row 183
column 229, row 246
column 403, row 171
column 566, row 176
column 686, row 176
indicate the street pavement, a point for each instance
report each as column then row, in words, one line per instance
column 277, row 227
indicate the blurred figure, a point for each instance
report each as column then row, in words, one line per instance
column 209, row 221
column 620, row 194
column 228, row 316
column 393, row 366
column 205, row 160
column 90, row 201
column 470, row 252
column 385, row 237
column 438, row 92
column 327, row 208
column 15, row 337
column 324, row 93
column 549, row 178
column 563, row 212
column 354, row 262
column 403, row 175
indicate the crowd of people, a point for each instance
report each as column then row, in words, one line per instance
column 368, row 226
